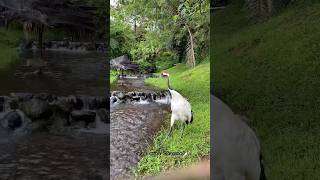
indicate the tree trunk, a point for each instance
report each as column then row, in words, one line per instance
column 135, row 25
column 193, row 59
column 40, row 39
column 270, row 6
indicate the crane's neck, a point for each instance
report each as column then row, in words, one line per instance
column 168, row 83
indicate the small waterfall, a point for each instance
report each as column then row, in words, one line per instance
column 118, row 97
column 23, row 113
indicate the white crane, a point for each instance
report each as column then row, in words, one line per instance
column 180, row 107
column 236, row 148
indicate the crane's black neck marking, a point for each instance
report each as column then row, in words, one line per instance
column 168, row 83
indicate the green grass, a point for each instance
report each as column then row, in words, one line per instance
column 113, row 79
column 113, row 76
column 270, row 73
column 194, row 85
column 9, row 40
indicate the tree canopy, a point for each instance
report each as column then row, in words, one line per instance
column 158, row 34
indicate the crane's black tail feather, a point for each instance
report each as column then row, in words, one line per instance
column 191, row 117
column 262, row 174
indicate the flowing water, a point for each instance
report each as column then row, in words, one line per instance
column 132, row 83
column 42, row 155
column 132, row 128
column 58, row 72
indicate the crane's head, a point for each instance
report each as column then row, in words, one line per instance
column 165, row 74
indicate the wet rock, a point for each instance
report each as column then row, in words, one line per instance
column 101, row 102
column 143, row 98
column 113, row 99
column 121, row 95
column 77, row 103
column 104, row 115
column 12, row 120
column 140, row 93
column 45, row 97
column 2, row 103
column 36, row 109
column 13, row 103
column 154, row 97
column 131, row 94
column 114, row 93
column 22, row 96
column 86, row 116
column 62, row 104
column 91, row 103
column 130, row 97
column 97, row 102
column 136, row 98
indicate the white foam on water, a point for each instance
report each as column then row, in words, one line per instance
column 166, row 100
column 142, row 102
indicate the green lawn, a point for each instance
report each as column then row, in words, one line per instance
column 8, row 42
column 194, row 85
column 270, row 72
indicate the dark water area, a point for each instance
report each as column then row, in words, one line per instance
column 62, row 73
column 73, row 154
column 45, row 156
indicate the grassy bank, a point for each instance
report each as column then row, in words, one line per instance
column 9, row 40
column 194, row 85
column 270, row 73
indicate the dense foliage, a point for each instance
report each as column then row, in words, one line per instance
column 101, row 16
column 158, row 34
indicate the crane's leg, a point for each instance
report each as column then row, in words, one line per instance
column 171, row 124
column 182, row 129
column 170, row 130
column 169, row 134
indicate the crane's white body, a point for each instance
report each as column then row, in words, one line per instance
column 236, row 148
column 180, row 107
